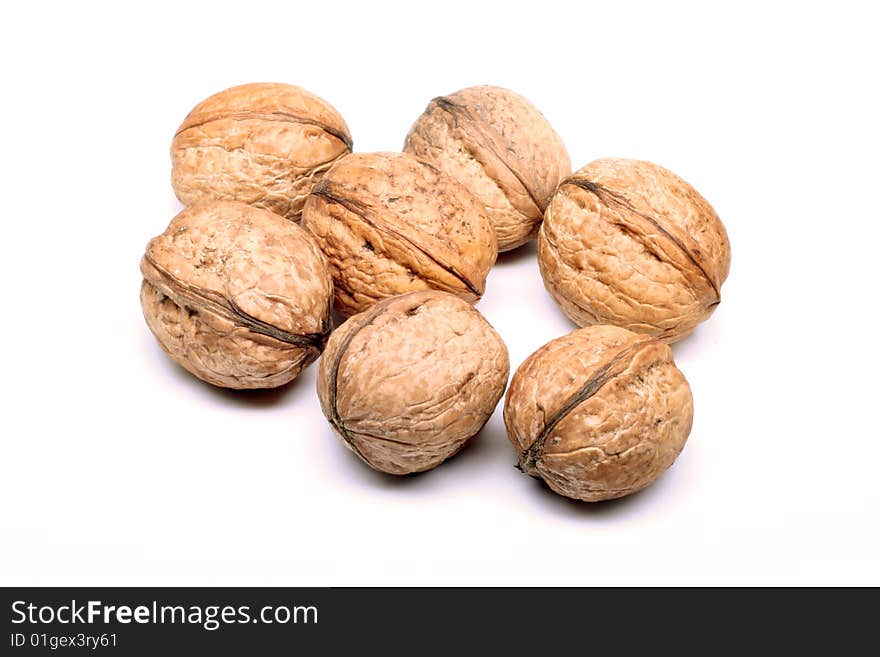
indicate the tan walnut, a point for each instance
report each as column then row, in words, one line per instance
column 499, row 146
column 599, row 413
column 629, row 243
column 238, row 296
column 264, row 144
column 390, row 224
column 407, row 383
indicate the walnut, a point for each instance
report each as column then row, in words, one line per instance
column 407, row 383
column 390, row 224
column 499, row 146
column 599, row 413
column 629, row 243
column 238, row 296
column 263, row 144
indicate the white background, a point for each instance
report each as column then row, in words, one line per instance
column 118, row 468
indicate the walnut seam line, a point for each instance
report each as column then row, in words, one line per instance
column 240, row 318
column 335, row 418
column 321, row 191
column 285, row 117
column 452, row 109
column 607, row 196
column 529, row 457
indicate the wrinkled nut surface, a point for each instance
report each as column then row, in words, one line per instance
column 599, row 413
column 629, row 243
column 499, row 146
column 238, row 296
column 390, row 224
column 264, row 144
column 406, row 384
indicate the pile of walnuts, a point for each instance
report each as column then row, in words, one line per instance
column 283, row 224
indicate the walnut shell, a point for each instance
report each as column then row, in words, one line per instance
column 406, row 384
column 629, row 243
column 238, row 296
column 390, row 224
column 264, row 144
column 499, row 146
column 599, row 413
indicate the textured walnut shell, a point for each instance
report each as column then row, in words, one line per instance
column 629, row 243
column 499, row 146
column 599, row 413
column 390, row 224
column 407, row 383
column 264, row 144
column 238, row 296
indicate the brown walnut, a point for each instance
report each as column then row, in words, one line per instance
column 499, row 146
column 599, row 413
column 629, row 243
column 264, row 144
column 390, row 224
column 238, row 296
column 407, row 383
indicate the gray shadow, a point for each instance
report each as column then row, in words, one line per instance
column 528, row 251
column 473, row 455
column 354, row 469
column 552, row 502
column 556, row 309
column 688, row 342
column 336, row 319
column 257, row 398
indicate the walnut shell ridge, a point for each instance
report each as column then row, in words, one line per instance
column 501, row 148
column 390, row 224
column 264, row 144
column 629, row 243
column 238, row 296
column 407, row 383
column 599, row 413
